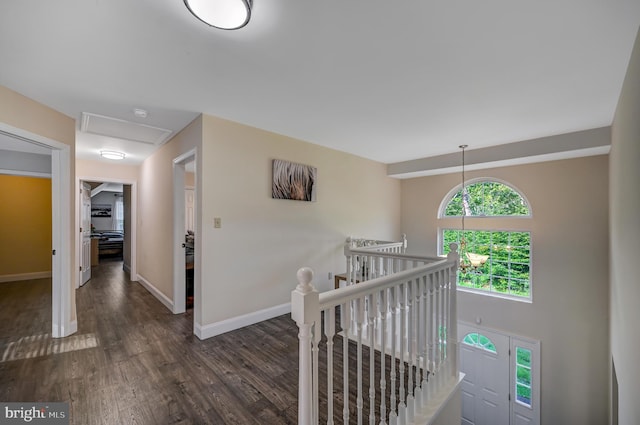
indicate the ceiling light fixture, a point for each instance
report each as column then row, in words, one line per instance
column 223, row 14
column 112, row 155
column 140, row 113
column 469, row 261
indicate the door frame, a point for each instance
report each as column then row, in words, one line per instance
column 515, row 341
column 62, row 277
column 133, row 272
column 179, row 278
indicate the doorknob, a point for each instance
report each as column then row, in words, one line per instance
column 184, row 245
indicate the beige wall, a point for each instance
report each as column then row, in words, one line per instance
column 25, row 225
column 625, row 242
column 103, row 171
column 155, row 209
column 23, row 113
column 251, row 262
column 569, row 313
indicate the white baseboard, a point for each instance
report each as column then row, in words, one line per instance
column 156, row 292
column 65, row 331
column 218, row 328
column 24, row 276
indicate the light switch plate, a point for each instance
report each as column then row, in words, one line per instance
column 217, row 222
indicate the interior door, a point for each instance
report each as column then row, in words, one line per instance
column 189, row 212
column 484, row 359
column 85, row 228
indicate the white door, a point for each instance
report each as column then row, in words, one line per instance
column 484, row 359
column 189, row 212
column 85, row 228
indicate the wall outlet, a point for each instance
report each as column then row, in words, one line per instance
column 330, row 275
column 217, row 223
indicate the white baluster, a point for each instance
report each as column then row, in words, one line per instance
column 402, row 406
column 438, row 329
column 371, row 315
column 453, row 333
column 329, row 331
column 393, row 414
column 315, row 348
column 446, row 324
column 433, row 329
column 410, row 351
column 345, row 322
column 383, row 354
column 417, row 394
column 359, row 321
column 424, row 349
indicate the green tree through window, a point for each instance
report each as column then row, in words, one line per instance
column 487, row 199
column 507, row 270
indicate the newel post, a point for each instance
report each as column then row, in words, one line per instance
column 404, row 243
column 305, row 311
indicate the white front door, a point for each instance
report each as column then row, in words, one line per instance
column 484, row 359
column 85, row 226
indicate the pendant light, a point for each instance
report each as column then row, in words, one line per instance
column 469, row 261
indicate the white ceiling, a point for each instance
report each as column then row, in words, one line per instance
column 389, row 80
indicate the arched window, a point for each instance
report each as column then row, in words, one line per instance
column 507, row 272
column 485, row 198
column 480, row 341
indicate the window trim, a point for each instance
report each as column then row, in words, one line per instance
column 449, row 196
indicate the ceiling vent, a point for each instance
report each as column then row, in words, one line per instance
column 121, row 129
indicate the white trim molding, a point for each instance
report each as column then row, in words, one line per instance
column 166, row 301
column 24, row 276
column 228, row 325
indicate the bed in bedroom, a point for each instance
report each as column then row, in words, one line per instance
column 110, row 242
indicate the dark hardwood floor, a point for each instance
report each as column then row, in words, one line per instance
column 133, row 362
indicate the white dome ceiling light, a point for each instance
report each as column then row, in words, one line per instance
column 112, row 155
column 223, row 14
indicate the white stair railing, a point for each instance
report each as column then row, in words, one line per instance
column 405, row 320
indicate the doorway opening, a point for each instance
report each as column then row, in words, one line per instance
column 185, row 264
column 63, row 317
column 107, row 212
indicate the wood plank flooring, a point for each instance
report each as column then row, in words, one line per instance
column 134, row 362
column 146, row 367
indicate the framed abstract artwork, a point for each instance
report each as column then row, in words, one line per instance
column 293, row 181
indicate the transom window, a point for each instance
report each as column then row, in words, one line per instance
column 487, row 198
column 480, row 341
column 507, row 270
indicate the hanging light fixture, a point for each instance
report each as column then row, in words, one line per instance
column 222, row 14
column 469, row 261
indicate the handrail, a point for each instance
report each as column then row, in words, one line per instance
column 408, row 316
column 348, row 293
column 401, row 256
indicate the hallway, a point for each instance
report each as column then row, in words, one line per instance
column 133, row 362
